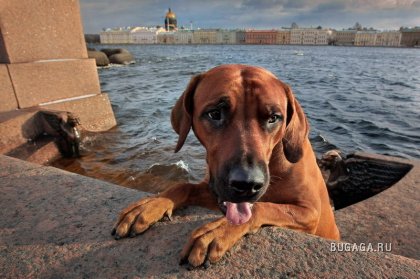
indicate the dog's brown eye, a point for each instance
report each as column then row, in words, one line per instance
column 215, row 114
column 274, row 118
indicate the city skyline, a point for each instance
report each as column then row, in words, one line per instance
column 383, row 15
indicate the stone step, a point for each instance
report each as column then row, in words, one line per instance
column 43, row 151
column 16, row 128
column 20, row 126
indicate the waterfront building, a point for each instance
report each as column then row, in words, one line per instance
column 297, row 36
column 226, row 37
column 205, row 36
column 240, row 37
column 388, row 38
column 410, row 37
column 322, row 37
column 167, row 37
column 261, row 37
column 144, row 35
column 115, row 36
column 309, row 36
column 170, row 21
column 344, row 37
column 283, row 37
column 365, row 38
column 183, row 37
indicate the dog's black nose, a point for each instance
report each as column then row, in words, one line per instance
column 246, row 181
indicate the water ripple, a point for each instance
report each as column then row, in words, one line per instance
column 355, row 99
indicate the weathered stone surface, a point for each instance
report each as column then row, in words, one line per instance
column 41, row 82
column 122, row 58
column 39, row 30
column 57, row 224
column 112, row 51
column 389, row 217
column 41, row 151
column 16, row 127
column 8, row 99
column 100, row 57
column 95, row 112
column 119, row 55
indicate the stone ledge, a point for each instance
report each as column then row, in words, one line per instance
column 19, row 126
column 95, row 112
column 44, row 150
column 57, row 224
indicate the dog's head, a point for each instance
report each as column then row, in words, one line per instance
column 241, row 114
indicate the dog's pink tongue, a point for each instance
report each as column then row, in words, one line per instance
column 238, row 213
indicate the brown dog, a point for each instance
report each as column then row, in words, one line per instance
column 260, row 164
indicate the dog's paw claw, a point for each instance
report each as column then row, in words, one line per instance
column 117, row 237
column 190, row 267
column 133, row 234
column 183, row 261
column 114, row 231
column 206, row 264
column 168, row 217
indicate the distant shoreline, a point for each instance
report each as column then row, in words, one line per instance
column 158, row 44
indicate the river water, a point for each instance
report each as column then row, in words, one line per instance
column 356, row 99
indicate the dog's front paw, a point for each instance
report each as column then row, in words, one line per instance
column 211, row 242
column 140, row 215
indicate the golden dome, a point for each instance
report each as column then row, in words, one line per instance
column 170, row 14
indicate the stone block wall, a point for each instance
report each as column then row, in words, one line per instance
column 44, row 62
column 38, row 83
column 41, row 30
column 7, row 94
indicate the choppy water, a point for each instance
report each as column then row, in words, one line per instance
column 355, row 98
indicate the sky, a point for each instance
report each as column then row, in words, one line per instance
column 258, row 14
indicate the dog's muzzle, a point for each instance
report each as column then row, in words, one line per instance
column 245, row 185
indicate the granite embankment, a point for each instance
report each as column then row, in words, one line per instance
column 57, row 224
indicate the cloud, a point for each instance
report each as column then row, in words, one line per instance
column 284, row 4
column 366, row 5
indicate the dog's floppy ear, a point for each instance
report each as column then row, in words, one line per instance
column 297, row 128
column 181, row 116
